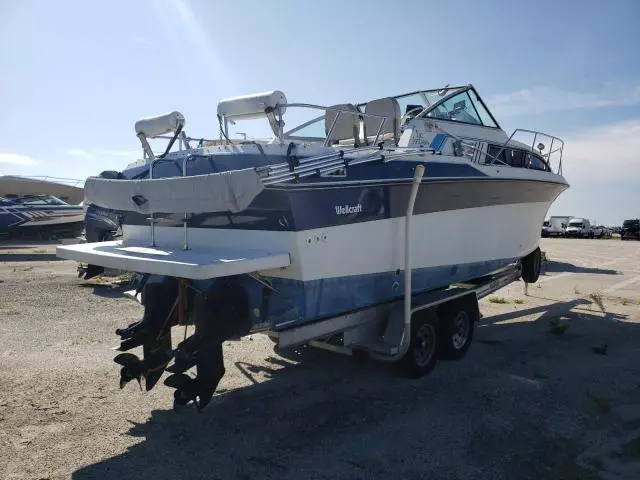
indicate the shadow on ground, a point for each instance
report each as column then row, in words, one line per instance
column 321, row 415
column 29, row 257
column 559, row 267
column 107, row 290
column 13, row 247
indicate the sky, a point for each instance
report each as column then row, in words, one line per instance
column 76, row 75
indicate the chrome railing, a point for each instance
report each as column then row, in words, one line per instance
column 534, row 147
column 478, row 151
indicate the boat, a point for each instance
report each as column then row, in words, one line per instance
column 41, row 217
column 358, row 207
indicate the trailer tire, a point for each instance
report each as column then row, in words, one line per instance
column 424, row 346
column 531, row 265
column 457, row 322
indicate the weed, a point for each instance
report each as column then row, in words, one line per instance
column 602, row 404
column 557, row 326
column 596, row 297
column 123, row 277
column 501, row 300
column 625, row 301
column 518, row 301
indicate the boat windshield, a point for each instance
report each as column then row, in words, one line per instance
column 465, row 107
column 313, row 127
column 462, row 105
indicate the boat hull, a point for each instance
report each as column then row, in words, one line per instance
column 345, row 237
column 343, row 268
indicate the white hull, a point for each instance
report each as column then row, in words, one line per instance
column 455, row 237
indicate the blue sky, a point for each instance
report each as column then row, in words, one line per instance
column 77, row 75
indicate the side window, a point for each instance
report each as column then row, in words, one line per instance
column 515, row 157
column 492, row 154
column 536, row 163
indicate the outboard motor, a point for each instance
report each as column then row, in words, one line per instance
column 153, row 332
column 219, row 313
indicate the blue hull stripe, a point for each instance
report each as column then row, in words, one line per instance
column 302, row 302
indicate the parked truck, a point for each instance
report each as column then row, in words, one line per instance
column 579, row 228
column 557, row 226
column 630, row 229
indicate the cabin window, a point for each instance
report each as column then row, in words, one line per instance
column 514, row 157
column 536, row 163
column 492, row 154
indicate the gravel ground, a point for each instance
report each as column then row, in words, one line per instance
column 524, row 403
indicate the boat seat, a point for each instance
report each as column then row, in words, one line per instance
column 346, row 127
column 386, row 107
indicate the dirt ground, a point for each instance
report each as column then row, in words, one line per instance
column 525, row 403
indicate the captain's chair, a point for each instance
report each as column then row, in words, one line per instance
column 386, row 107
column 346, row 127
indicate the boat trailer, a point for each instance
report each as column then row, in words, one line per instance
column 413, row 332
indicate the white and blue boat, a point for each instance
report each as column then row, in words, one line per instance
column 309, row 224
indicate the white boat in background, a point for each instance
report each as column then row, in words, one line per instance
column 314, row 223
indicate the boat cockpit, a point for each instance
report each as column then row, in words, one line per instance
column 449, row 121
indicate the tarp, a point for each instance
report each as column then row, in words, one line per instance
column 231, row 191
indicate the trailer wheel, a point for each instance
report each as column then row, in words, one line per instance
column 457, row 334
column 422, row 355
column 531, row 266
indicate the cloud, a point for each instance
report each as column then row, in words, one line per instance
column 101, row 152
column 79, row 152
column 604, row 153
column 119, row 153
column 543, row 99
column 16, row 159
